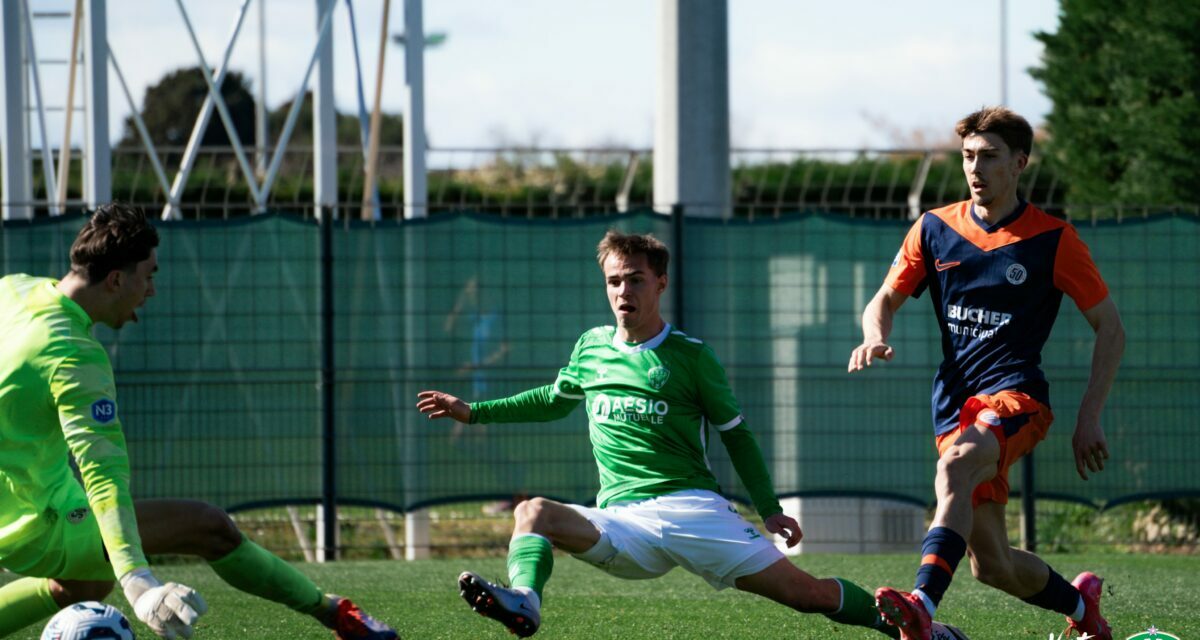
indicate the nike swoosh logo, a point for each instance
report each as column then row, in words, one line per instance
column 942, row 266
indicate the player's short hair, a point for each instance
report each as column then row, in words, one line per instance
column 1012, row 128
column 117, row 236
column 631, row 244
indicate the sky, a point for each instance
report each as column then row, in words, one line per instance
column 803, row 74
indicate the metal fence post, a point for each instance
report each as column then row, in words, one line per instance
column 1028, row 506
column 327, row 551
column 677, row 242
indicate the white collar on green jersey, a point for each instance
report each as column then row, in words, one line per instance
column 620, row 345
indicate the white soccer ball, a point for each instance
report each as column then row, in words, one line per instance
column 942, row 631
column 88, row 621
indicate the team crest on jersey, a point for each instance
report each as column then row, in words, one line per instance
column 1153, row 634
column 77, row 515
column 104, row 411
column 1016, row 273
column 658, row 377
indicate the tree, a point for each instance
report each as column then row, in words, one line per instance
column 391, row 128
column 1124, row 79
column 171, row 106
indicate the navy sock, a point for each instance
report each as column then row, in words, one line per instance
column 940, row 554
column 1058, row 595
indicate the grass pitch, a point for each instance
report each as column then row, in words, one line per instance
column 421, row 600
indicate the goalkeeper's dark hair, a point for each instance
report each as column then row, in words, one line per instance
column 631, row 244
column 1012, row 128
column 117, row 236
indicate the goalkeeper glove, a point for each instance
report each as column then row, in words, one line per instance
column 168, row 609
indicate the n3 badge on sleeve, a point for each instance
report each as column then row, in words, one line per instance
column 104, row 410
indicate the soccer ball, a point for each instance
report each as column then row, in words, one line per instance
column 942, row 631
column 88, row 621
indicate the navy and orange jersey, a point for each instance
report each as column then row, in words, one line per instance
column 996, row 291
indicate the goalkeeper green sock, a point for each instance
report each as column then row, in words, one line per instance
column 858, row 609
column 530, row 562
column 24, row 602
column 259, row 572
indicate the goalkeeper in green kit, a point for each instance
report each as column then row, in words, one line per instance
column 651, row 394
column 58, row 400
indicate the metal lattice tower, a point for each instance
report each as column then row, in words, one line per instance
column 22, row 61
column 26, row 189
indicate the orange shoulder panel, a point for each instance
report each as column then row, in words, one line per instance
column 908, row 269
column 1075, row 274
column 1031, row 223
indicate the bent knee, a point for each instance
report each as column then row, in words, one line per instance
column 536, row 515
column 956, row 462
column 69, row 592
column 220, row 535
column 531, row 510
column 964, row 465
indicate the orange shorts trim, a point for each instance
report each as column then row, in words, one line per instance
column 1023, row 423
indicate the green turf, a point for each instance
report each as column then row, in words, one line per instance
column 420, row 599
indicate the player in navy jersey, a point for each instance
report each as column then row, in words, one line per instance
column 996, row 268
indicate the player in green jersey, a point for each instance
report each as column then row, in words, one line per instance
column 58, row 399
column 651, row 393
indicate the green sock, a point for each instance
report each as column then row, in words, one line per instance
column 858, row 609
column 530, row 562
column 24, row 602
column 259, row 572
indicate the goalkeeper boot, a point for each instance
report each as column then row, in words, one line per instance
column 904, row 611
column 509, row 607
column 1093, row 624
column 352, row 623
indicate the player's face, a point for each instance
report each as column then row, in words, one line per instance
column 133, row 287
column 992, row 169
column 633, row 293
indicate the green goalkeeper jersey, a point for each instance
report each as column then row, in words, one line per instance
column 57, row 395
column 649, row 408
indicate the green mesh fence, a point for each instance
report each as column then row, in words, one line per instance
column 218, row 383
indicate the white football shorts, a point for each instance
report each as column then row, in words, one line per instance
column 694, row 529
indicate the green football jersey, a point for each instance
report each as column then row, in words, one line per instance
column 57, row 395
column 649, row 406
column 649, row 409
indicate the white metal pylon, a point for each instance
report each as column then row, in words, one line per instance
column 88, row 63
column 321, row 106
column 64, row 150
column 97, row 160
column 171, row 210
column 14, row 151
column 219, row 101
column 258, row 191
column 47, row 151
column 22, row 75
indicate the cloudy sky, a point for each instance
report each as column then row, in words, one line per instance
column 803, row 73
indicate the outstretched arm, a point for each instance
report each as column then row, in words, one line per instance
column 1088, row 443
column 435, row 404
column 877, row 326
column 542, row 404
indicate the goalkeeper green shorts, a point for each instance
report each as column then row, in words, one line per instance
column 70, row 547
